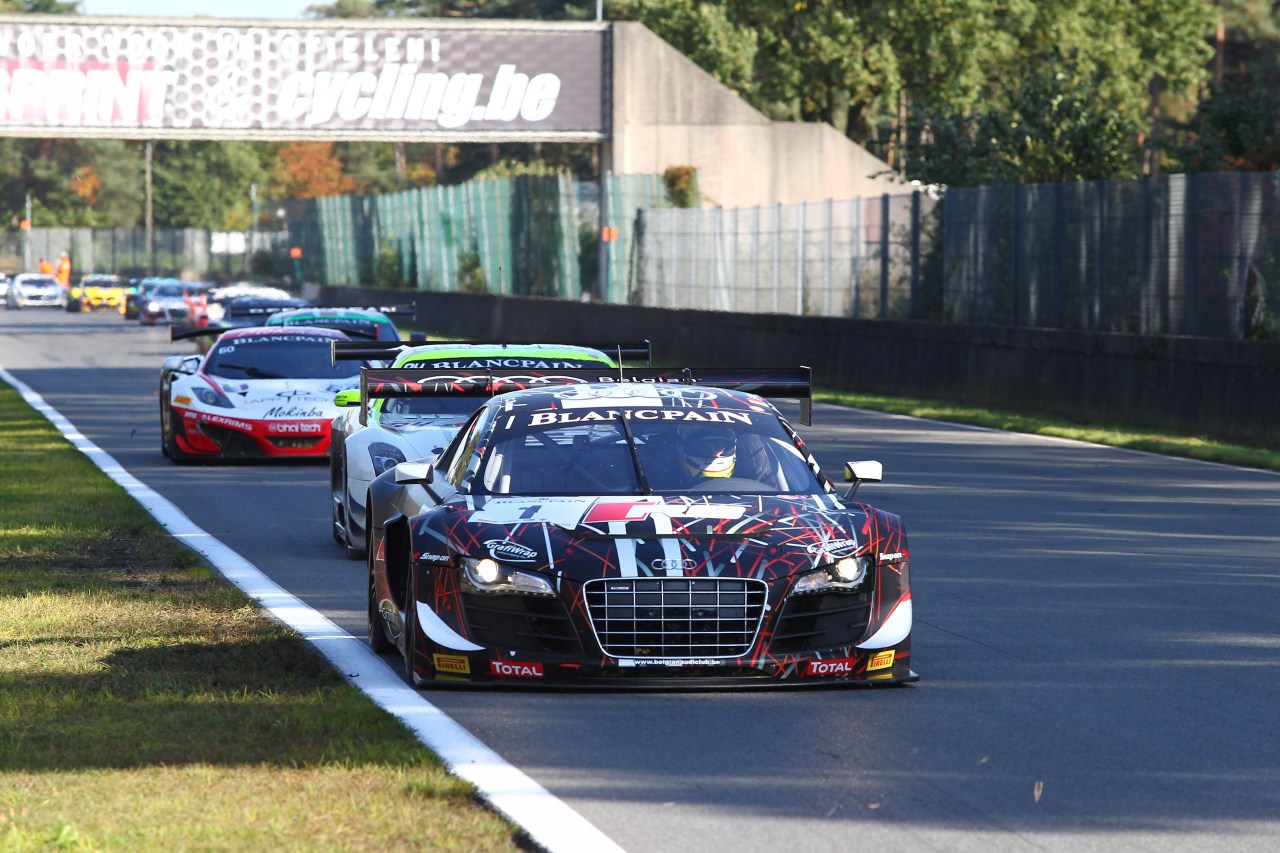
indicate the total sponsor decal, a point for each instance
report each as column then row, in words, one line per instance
column 515, row 669
column 834, row 666
column 454, row 664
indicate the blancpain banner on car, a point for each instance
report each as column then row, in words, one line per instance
column 420, row 79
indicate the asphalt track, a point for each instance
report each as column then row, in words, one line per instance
column 1097, row 634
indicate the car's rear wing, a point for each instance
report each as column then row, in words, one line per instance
column 792, row 383
column 619, row 351
column 389, row 310
column 182, row 333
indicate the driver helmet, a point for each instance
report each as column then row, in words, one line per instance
column 707, row 451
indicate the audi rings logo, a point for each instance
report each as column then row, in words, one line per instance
column 510, row 552
column 673, row 565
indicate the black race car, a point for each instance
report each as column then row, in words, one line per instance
column 633, row 527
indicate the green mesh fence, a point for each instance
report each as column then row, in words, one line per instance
column 515, row 235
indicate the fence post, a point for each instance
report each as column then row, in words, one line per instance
column 915, row 254
column 1015, row 272
column 777, row 256
column 828, row 250
column 1192, row 244
column 802, row 248
column 884, row 256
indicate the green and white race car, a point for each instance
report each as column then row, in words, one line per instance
column 376, row 432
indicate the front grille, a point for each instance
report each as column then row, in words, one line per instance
column 675, row 617
column 809, row 623
column 521, row 623
column 293, row 443
column 234, row 444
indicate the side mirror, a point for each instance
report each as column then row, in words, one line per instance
column 857, row 473
column 177, row 364
column 415, row 472
column 348, row 397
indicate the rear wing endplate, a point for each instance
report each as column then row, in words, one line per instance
column 792, row 383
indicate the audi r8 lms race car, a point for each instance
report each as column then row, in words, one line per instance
column 375, row 433
column 257, row 393
column 637, row 531
column 33, row 289
column 369, row 323
column 170, row 302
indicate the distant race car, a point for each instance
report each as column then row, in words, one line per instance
column 654, row 528
column 136, row 295
column 240, row 308
column 376, row 432
column 368, row 323
column 258, row 393
column 30, row 289
column 170, row 302
column 97, row 290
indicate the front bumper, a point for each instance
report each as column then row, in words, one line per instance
column 199, row 433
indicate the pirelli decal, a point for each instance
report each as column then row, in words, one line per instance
column 881, row 660
column 455, row 664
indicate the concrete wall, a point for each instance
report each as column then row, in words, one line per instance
column 1192, row 385
column 669, row 112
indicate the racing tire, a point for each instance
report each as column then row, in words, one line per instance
column 334, row 521
column 169, row 444
column 378, row 640
column 354, row 552
column 410, row 627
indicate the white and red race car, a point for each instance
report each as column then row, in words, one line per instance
column 258, row 393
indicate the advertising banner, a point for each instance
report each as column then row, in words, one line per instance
column 412, row 79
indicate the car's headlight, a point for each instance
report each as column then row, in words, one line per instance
column 844, row 575
column 384, row 456
column 212, row 398
column 153, row 306
column 488, row 575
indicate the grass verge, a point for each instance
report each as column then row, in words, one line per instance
column 1194, row 447
column 147, row 705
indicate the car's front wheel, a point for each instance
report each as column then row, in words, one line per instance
column 410, row 619
column 354, row 552
column 168, row 441
column 378, row 640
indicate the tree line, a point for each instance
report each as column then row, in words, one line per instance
column 951, row 92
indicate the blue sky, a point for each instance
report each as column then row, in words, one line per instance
column 192, row 8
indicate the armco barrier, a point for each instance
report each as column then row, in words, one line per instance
column 1192, row 385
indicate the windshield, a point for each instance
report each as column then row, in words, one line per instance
column 269, row 357
column 439, row 411
column 738, row 452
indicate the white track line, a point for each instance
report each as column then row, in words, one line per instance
column 547, row 820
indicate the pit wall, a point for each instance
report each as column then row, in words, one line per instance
column 1189, row 385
